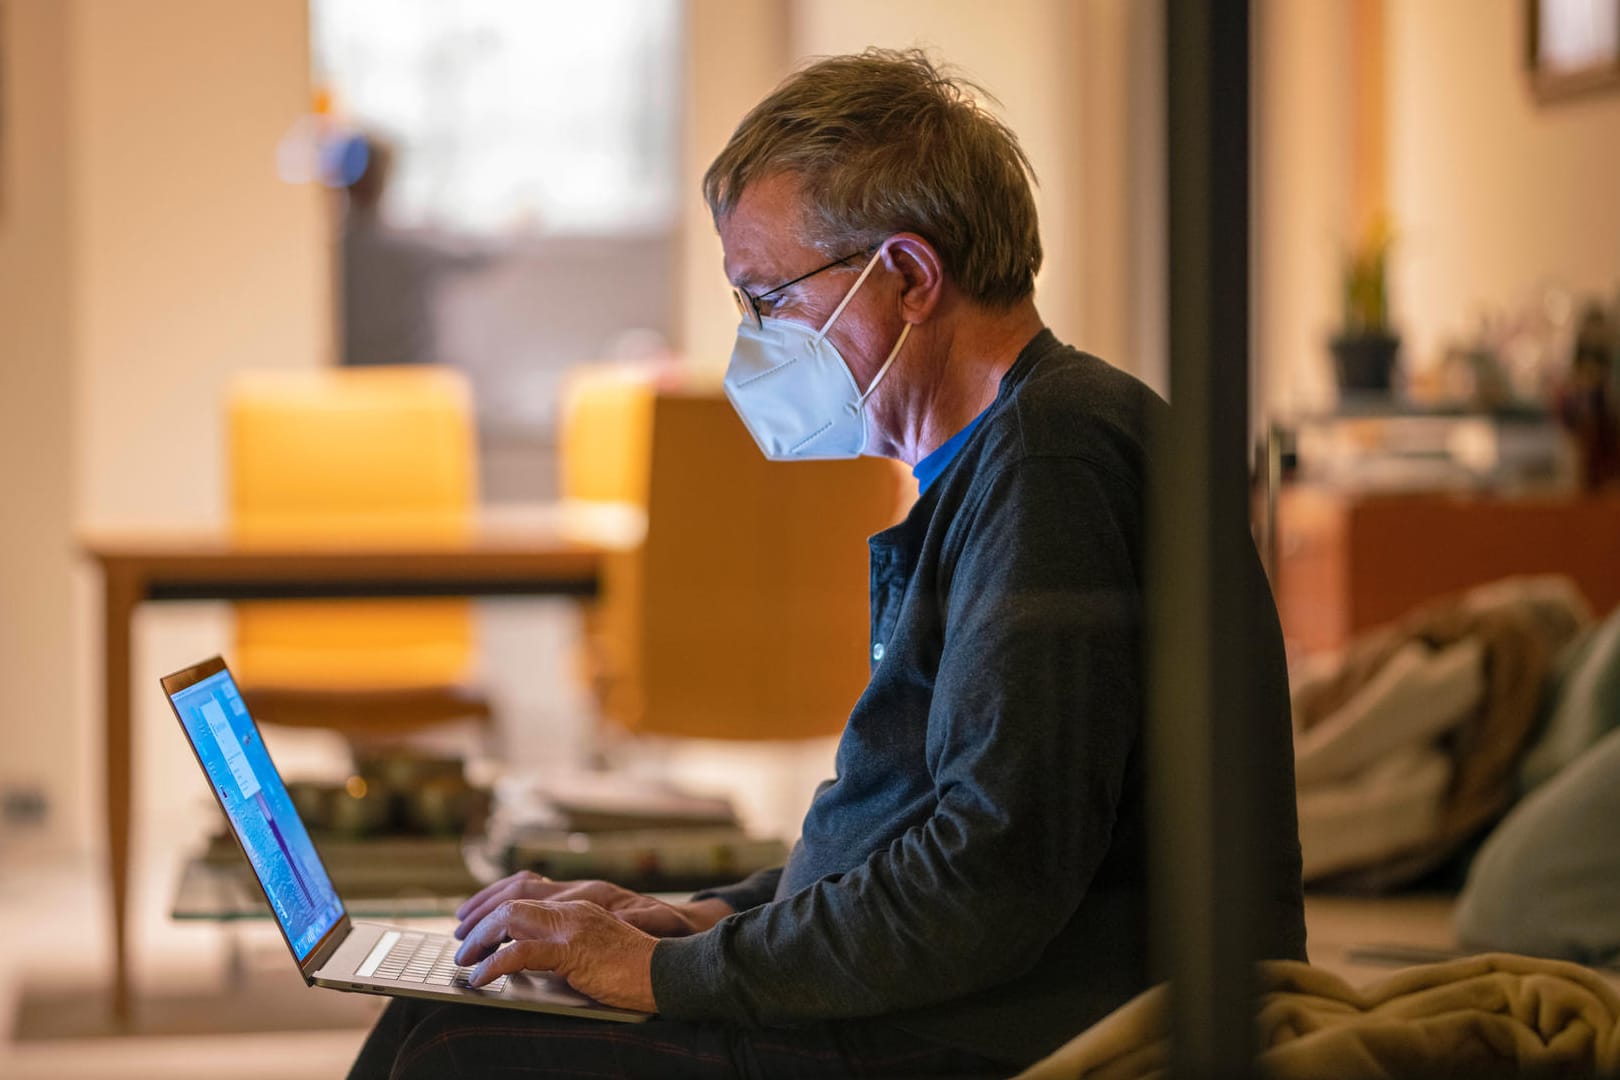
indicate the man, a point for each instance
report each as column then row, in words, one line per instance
column 969, row 892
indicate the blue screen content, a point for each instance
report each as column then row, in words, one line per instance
column 260, row 810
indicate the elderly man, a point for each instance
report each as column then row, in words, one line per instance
column 969, row 891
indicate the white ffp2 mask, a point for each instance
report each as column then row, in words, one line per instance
column 795, row 393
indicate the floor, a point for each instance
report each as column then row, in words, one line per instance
column 1339, row 929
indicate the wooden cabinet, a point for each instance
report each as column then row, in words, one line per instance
column 1348, row 562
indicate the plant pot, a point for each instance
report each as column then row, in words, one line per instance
column 1365, row 363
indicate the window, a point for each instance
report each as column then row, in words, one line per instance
column 541, row 137
column 537, row 116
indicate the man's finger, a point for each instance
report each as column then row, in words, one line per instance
column 486, row 935
column 524, row 886
column 480, row 911
column 511, row 920
column 482, row 895
column 518, row 956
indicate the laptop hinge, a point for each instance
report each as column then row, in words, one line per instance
column 324, row 949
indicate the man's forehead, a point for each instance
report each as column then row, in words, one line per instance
column 760, row 236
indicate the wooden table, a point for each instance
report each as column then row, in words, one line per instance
column 536, row 552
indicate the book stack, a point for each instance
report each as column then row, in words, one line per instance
column 375, row 867
column 647, row 837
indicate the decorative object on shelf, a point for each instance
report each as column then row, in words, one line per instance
column 394, row 793
column 1472, row 376
column 1365, row 348
column 1572, row 47
column 1401, row 448
column 1515, row 358
column 1587, row 406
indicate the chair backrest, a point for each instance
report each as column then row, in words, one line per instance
column 341, row 454
column 744, row 615
column 605, row 433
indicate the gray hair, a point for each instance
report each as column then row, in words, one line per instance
column 885, row 142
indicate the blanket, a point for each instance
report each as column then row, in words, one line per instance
column 1462, row 676
column 1483, row 1016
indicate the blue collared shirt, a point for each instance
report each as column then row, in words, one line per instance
column 929, row 468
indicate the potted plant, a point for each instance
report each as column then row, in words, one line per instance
column 1365, row 348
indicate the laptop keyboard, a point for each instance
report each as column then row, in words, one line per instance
column 429, row 959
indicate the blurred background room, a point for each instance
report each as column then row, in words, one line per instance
column 375, row 345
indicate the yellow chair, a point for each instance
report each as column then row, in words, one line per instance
column 341, row 455
column 743, row 614
column 606, row 433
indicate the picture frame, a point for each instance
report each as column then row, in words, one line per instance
column 1572, row 47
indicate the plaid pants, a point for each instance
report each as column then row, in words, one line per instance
column 419, row 1039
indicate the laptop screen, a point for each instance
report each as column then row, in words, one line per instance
column 260, row 810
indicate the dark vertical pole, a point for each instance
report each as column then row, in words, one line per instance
column 1199, row 689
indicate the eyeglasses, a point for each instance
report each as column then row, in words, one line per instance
column 748, row 303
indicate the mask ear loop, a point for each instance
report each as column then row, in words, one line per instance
column 884, row 370
column 842, row 304
column 839, row 310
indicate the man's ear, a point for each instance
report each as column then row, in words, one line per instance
column 922, row 275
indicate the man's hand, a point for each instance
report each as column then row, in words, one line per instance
column 643, row 912
column 596, row 953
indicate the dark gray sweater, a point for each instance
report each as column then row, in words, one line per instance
column 976, row 871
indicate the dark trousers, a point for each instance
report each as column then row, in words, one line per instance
column 418, row 1039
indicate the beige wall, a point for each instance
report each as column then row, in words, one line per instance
column 39, row 717
column 1490, row 191
column 1302, row 71
column 1146, row 262
column 147, row 251
column 1115, row 134
column 736, row 51
column 195, row 259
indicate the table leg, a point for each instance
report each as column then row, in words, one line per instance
column 121, row 597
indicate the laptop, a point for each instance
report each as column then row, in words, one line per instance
column 330, row 950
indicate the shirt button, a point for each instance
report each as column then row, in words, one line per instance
column 877, row 651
